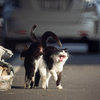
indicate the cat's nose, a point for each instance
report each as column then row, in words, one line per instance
column 63, row 52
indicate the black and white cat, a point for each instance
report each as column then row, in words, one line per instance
column 55, row 60
column 49, row 63
column 34, row 58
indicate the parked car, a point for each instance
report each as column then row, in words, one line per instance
column 71, row 20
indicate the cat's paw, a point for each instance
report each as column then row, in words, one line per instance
column 43, row 87
column 27, row 86
column 59, row 87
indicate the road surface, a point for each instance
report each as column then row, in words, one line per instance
column 80, row 81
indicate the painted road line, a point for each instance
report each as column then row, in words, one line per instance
column 16, row 68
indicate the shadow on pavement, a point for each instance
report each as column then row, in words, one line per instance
column 17, row 87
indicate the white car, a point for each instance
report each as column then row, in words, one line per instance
column 68, row 19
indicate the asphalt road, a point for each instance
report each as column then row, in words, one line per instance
column 80, row 81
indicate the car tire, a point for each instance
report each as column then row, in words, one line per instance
column 93, row 46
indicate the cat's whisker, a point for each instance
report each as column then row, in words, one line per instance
column 70, row 56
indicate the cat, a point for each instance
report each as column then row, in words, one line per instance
column 34, row 58
column 22, row 57
column 5, row 53
column 55, row 60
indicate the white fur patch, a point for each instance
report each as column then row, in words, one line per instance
column 37, row 62
column 58, row 65
column 42, row 69
column 59, row 87
column 48, row 77
column 32, row 79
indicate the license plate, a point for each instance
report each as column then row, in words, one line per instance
column 52, row 4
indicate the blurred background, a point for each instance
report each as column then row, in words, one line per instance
column 75, row 22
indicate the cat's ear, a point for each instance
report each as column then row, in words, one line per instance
column 66, row 50
column 26, row 47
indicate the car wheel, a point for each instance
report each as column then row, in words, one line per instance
column 93, row 46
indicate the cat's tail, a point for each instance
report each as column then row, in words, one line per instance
column 32, row 34
column 48, row 34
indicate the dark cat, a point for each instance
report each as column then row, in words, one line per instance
column 34, row 58
column 23, row 54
